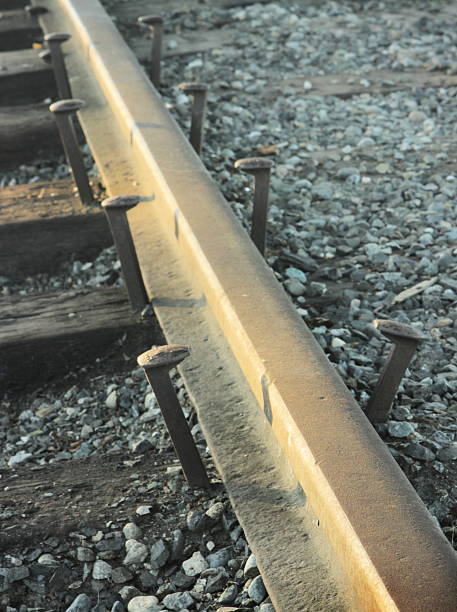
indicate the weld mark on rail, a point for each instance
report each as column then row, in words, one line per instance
column 266, row 399
column 271, row 496
column 176, row 217
column 179, row 302
column 141, row 125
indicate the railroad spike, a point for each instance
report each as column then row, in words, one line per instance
column 116, row 209
column 405, row 339
column 260, row 168
column 155, row 24
column 54, row 41
column 157, row 363
column 199, row 93
column 63, row 111
column 35, row 11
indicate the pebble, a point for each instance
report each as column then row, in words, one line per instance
column 449, row 453
column 131, row 531
column 85, row 554
column 196, row 521
column 143, row 510
column 47, row 559
column 159, row 554
column 82, row 603
column 215, row 511
column 101, row 570
column 120, row 575
column 294, row 287
column 418, row 451
column 178, row 600
column 111, row 400
column 145, row 603
column 136, row 552
column 128, row 592
column 400, row 429
column 256, row 590
column 18, row 458
column 178, row 541
column 250, row 568
column 195, row 565
column 229, row 594
column 323, row 191
column 220, row 558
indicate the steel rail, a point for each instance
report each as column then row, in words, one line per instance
column 392, row 552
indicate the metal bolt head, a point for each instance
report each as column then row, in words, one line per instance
column 150, row 20
column 397, row 332
column 166, row 356
column 35, row 11
column 121, row 202
column 59, row 37
column 66, row 106
column 253, row 165
column 193, row 87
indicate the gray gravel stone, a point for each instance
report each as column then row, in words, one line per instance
column 131, row 531
column 400, row 429
column 141, row 446
column 418, row 451
column 18, row 458
column 128, row 592
column 159, row 554
column 85, row 554
column 449, row 453
column 195, row 565
column 257, row 591
column 101, row 570
column 178, row 541
column 80, row 604
column 120, row 575
column 111, row 400
column 178, row 600
column 250, row 568
column 323, row 191
column 294, row 287
column 215, row 511
column 136, row 552
column 14, row 574
column 229, row 594
column 47, row 559
column 196, row 521
column 220, row 558
column 181, row 581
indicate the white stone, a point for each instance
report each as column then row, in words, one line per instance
column 146, row 603
column 195, row 565
column 101, row 570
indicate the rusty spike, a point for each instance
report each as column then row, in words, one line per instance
column 405, row 340
column 260, row 168
column 156, row 364
column 155, row 24
column 116, row 212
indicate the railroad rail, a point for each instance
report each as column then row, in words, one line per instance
column 333, row 521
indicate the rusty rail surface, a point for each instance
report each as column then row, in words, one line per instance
column 387, row 552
